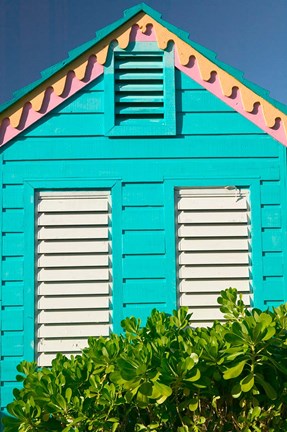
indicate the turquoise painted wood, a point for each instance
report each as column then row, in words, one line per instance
column 213, row 146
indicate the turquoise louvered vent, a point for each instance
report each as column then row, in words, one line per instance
column 140, row 92
column 139, row 87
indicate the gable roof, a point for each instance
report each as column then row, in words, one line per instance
column 141, row 22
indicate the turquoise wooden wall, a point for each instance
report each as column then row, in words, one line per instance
column 214, row 146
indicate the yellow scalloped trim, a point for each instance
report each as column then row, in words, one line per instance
column 163, row 36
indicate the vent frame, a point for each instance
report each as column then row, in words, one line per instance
column 138, row 118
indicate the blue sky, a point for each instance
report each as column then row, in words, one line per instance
column 250, row 35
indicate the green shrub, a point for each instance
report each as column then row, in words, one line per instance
column 165, row 377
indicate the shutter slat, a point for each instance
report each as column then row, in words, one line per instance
column 61, row 345
column 206, row 314
column 72, row 330
column 139, row 64
column 212, row 217
column 215, row 272
column 144, row 87
column 213, row 233
column 134, row 75
column 225, row 230
column 205, row 300
column 73, row 274
column 213, row 244
column 75, row 205
column 213, row 258
column 212, row 203
column 76, row 246
column 133, row 110
column 76, row 302
column 82, row 218
column 70, row 288
column 73, row 261
column 68, row 317
column 206, row 285
column 140, row 98
column 71, row 233
column 73, row 271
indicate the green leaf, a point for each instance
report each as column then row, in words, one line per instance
column 194, row 376
column 68, row 394
column 193, row 404
column 247, row 383
column 269, row 390
column 269, row 334
column 146, row 389
column 163, row 389
column 234, row 371
column 236, row 391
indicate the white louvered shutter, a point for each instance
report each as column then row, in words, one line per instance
column 73, row 271
column 213, row 247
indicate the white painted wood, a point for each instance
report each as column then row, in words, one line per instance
column 75, row 302
column 213, row 231
column 70, row 288
column 82, row 232
column 216, row 272
column 212, row 203
column 69, row 317
column 94, row 260
column 73, row 271
column 72, row 274
column 203, row 300
column 213, row 192
column 65, row 219
column 206, row 314
column 213, row 258
column 73, row 205
column 212, row 217
column 61, row 345
column 73, row 330
column 194, row 324
column 65, row 246
column 214, row 244
column 203, row 285
column 45, row 360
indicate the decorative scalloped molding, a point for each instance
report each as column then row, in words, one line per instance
column 90, row 65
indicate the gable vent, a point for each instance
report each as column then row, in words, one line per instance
column 213, row 247
column 73, row 271
column 139, row 87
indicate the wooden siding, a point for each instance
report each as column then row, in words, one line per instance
column 68, row 150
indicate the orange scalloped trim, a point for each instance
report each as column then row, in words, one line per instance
column 163, row 36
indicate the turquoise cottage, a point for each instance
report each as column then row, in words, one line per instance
column 139, row 173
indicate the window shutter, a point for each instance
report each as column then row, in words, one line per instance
column 139, row 92
column 213, row 244
column 73, row 271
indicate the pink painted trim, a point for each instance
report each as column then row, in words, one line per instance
column 213, row 86
column 51, row 101
column 137, row 36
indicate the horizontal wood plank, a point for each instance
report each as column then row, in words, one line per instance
column 75, row 246
column 221, row 258
column 75, row 302
column 72, row 274
column 70, row 288
column 69, row 317
column 83, row 260
column 73, row 330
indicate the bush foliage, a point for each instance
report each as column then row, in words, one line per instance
column 165, row 377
